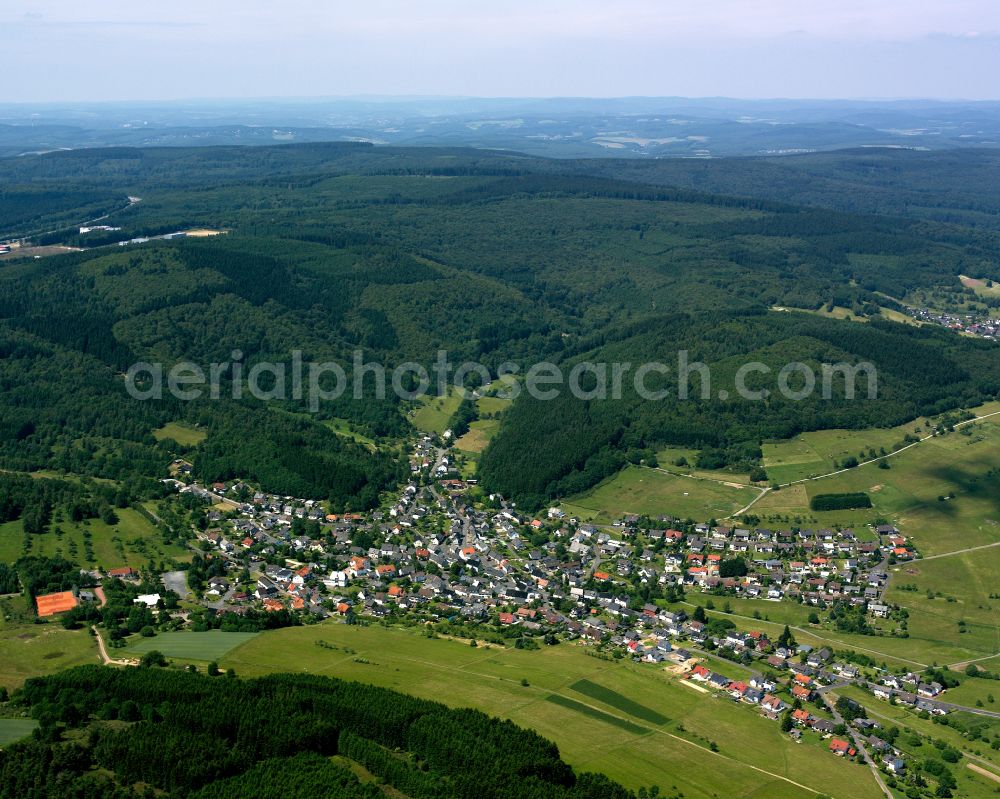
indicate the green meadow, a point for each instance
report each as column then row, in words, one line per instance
column 434, row 413
column 32, row 650
column 132, row 541
column 479, row 435
column 207, row 646
column 915, row 492
column 819, row 452
column 12, row 730
column 183, row 434
column 483, row 429
column 653, row 492
column 657, row 727
column 669, row 457
column 343, row 428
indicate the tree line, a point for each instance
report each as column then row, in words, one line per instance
column 189, row 733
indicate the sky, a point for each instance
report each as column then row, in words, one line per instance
column 64, row 50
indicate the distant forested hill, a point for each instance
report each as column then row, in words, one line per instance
column 954, row 186
column 401, row 252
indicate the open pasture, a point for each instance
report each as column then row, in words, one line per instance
column 206, row 646
column 490, row 679
column 132, row 541
column 183, row 434
column 653, row 492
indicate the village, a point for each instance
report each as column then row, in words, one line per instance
column 434, row 554
column 977, row 325
column 494, row 563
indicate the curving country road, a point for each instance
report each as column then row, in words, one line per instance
column 764, row 491
column 105, row 658
column 858, row 742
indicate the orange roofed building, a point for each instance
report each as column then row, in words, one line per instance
column 124, row 573
column 50, row 604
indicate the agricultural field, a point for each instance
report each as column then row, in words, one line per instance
column 819, row 452
column 132, row 541
column 483, row 429
column 660, row 727
column 205, row 646
column 12, row 730
column 342, row 428
column 942, row 592
column 479, row 435
column 981, row 287
column 33, row 650
column 654, row 492
column 915, row 492
column 618, row 701
column 492, row 405
column 434, row 413
column 183, row 434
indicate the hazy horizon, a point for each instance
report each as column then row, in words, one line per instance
column 371, row 97
column 111, row 51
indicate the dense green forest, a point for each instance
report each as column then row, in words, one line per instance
column 920, row 371
column 952, row 186
column 191, row 735
column 398, row 253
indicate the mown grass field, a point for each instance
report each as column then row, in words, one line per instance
column 32, row 650
column 12, row 730
column 641, row 490
column 434, row 413
column 206, row 646
column 980, row 286
column 960, row 586
column 479, row 435
column 914, row 491
column 133, row 541
column 492, row 405
column 811, row 454
column 484, row 428
column 673, row 755
column 342, row 428
column 183, row 434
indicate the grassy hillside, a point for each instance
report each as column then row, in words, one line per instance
column 651, row 492
column 131, row 541
column 915, row 491
column 490, row 679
